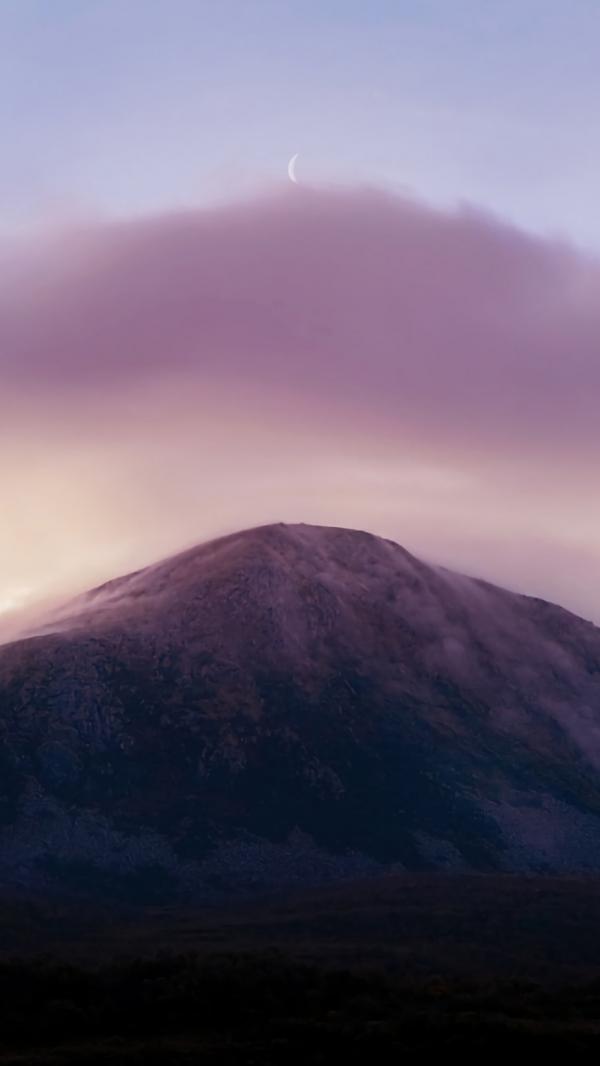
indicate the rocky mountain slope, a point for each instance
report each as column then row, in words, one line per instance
column 293, row 704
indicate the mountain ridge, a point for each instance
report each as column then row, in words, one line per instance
column 295, row 703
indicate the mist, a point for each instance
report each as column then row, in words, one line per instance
column 343, row 357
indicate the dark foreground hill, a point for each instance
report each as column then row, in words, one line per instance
column 230, row 1010
column 294, row 704
column 487, row 964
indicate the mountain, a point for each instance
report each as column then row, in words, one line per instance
column 293, row 704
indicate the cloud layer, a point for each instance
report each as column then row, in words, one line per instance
column 327, row 355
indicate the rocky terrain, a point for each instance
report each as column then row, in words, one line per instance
column 292, row 705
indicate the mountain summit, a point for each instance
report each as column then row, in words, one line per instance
column 291, row 704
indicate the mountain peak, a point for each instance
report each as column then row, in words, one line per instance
column 287, row 549
column 297, row 698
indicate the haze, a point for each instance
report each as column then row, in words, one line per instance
column 343, row 357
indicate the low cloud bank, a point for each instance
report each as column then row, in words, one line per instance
column 339, row 356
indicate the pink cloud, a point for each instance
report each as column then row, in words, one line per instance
column 349, row 295
column 337, row 356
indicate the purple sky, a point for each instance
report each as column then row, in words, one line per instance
column 132, row 106
column 190, row 344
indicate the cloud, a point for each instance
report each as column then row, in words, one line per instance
column 347, row 354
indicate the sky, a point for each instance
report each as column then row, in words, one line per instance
column 133, row 106
column 407, row 341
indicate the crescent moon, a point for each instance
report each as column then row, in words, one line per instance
column 292, row 168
